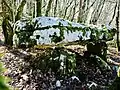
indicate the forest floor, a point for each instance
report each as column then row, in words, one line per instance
column 25, row 77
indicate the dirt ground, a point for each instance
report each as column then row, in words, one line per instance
column 25, row 79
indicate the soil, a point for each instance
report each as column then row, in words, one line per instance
column 26, row 78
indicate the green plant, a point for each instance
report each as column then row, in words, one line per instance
column 3, row 79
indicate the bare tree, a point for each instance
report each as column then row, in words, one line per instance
column 117, row 25
column 97, row 11
column 66, row 9
column 11, row 13
column 80, row 11
column 39, row 7
column 55, row 7
column 74, row 10
column 115, row 8
column 48, row 7
column 20, row 9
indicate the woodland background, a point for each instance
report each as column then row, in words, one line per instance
column 96, row 12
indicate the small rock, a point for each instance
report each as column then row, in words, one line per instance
column 25, row 77
column 74, row 77
column 58, row 83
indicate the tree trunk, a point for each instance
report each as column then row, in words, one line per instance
column 4, row 28
column 39, row 7
column 117, row 25
column 74, row 9
column 115, row 8
column 80, row 12
column 48, row 7
column 66, row 9
column 97, row 12
column 20, row 10
column 55, row 8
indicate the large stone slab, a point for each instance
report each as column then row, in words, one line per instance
column 53, row 30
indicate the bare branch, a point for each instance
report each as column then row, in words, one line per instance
column 113, row 13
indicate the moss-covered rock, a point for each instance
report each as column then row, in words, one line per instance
column 50, row 30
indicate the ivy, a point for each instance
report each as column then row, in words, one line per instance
column 25, row 29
